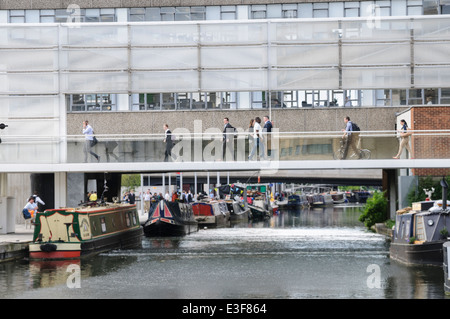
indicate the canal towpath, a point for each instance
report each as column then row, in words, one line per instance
column 14, row 245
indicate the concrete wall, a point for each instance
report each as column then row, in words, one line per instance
column 286, row 120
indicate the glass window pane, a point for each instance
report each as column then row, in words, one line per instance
column 153, row 14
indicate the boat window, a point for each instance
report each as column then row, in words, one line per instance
column 103, row 223
column 127, row 218
column 134, row 219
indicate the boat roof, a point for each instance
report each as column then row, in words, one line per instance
column 95, row 208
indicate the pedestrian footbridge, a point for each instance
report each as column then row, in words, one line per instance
column 197, row 152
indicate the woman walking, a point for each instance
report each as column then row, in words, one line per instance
column 404, row 139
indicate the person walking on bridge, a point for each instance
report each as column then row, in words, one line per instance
column 351, row 137
column 88, row 132
column 405, row 136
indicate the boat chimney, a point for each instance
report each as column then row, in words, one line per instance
column 444, row 193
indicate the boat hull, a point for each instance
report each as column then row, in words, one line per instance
column 52, row 251
column 218, row 221
column 258, row 213
column 161, row 228
column 211, row 214
column 424, row 254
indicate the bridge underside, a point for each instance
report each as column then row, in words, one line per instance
column 268, row 167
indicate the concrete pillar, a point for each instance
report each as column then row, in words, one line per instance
column 75, row 189
column 195, row 183
column 7, row 207
column 60, row 189
column 389, row 183
column 3, row 184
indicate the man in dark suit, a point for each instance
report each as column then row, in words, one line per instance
column 168, row 141
column 228, row 138
column 131, row 197
column 268, row 129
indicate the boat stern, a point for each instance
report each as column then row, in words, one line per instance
column 57, row 235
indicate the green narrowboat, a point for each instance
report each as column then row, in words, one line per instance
column 68, row 233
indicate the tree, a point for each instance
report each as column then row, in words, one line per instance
column 375, row 210
column 131, row 180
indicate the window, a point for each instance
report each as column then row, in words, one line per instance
column 414, row 7
column 127, row 218
column 182, row 14
column 228, row 12
column 17, row 16
column 168, row 101
column 415, row 97
column 103, row 224
column 213, row 100
column 258, row 100
column 137, row 14
column 430, row 7
column 258, row 12
column 168, row 14
column 351, row 9
column 91, row 102
column 382, row 8
column 143, row 102
column 47, row 16
column 289, row 99
column 445, row 96
column 320, row 10
column 198, row 13
column 289, row 11
column 229, row 100
column 317, row 149
column 445, row 9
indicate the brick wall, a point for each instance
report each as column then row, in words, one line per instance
column 431, row 118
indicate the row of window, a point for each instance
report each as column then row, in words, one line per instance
column 254, row 100
column 260, row 11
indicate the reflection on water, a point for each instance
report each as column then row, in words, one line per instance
column 320, row 253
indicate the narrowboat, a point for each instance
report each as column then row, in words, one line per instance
column 238, row 211
column 420, row 232
column 338, row 197
column 211, row 214
column 170, row 219
column 259, row 213
column 297, row 201
column 320, row 200
column 70, row 233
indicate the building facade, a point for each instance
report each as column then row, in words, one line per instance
column 124, row 64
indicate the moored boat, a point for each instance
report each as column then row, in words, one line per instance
column 170, row 219
column 259, row 213
column 68, row 233
column 338, row 197
column 238, row 212
column 211, row 214
column 297, row 201
column 320, row 200
column 420, row 232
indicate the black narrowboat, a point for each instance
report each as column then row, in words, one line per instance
column 170, row 219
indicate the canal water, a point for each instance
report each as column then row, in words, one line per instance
column 320, row 253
